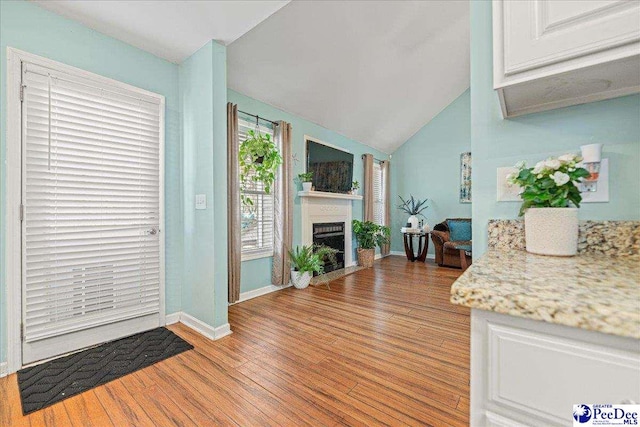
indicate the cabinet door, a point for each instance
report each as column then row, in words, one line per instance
column 542, row 32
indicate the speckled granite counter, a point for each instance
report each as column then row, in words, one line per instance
column 593, row 292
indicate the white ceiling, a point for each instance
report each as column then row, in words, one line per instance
column 374, row 71
column 172, row 30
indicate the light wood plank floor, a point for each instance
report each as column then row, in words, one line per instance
column 383, row 346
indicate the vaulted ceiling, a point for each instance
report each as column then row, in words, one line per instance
column 374, row 71
column 170, row 29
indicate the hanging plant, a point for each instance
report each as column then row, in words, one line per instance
column 259, row 160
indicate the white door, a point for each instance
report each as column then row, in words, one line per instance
column 91, row 214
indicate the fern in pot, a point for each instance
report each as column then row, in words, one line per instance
column 551, row 199
column 369, row 235
column 305, row 260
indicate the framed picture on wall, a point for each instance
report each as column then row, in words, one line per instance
column 465, row 177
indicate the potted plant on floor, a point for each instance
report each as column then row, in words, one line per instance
column 413, row 207
column 259, row 160
column 305, row 260
column 306, row 180
column 549, row 189
column 369, row 235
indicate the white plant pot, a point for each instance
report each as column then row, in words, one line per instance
column 306, row 186
column 414, row 221
column 551, row 231
column 300, row 280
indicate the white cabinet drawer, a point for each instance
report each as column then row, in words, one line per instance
column 543, row 32
column 544, row 375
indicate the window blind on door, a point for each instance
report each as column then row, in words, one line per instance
column 91, row 180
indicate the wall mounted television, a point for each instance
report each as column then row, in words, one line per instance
column 332, row 168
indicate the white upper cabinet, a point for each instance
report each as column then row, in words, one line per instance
column 555, row 53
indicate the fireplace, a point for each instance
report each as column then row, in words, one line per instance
column 331, row 234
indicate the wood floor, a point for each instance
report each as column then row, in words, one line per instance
column 383, row 346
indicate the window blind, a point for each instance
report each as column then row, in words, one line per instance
column 257, row 220
column 378, row 195
column 91, row 180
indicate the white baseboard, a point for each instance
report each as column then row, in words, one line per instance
column 400, row 253
column 259, row 292
column 3, row 369
column 198, row 325
column 172, row 318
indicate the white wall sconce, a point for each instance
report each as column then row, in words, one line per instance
column 591, row 160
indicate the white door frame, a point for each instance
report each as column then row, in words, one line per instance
column 13, row 173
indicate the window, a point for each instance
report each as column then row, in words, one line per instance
column 257, row 220
column 378, row 194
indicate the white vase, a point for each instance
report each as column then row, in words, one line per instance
column 414, row 221
column 551, row 231
column 306, row 186
column 300, row 280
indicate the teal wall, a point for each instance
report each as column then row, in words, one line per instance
column 27, row 27
column 428, row 166
column 203, row 104
column 257, row 273
column 496, row 142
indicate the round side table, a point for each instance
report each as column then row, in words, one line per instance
column 422, row 245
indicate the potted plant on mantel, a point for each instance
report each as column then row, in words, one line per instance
column 413, row 207
column 369, row 235
column 259, row 160
column 355, row 186
column 305, row 260
column 548, row 190
column 306, row 179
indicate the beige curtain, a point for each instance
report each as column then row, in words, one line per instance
column 368, row 187
column 234, row 242
column 283, row 208
column 386, row 176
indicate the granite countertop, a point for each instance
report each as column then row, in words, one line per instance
column 594, row 292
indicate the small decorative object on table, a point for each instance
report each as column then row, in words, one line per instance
column 548, row 190
column 305, row 260
column 355, row 185
column 369, row 235
column 413, row 207
column 306, row 180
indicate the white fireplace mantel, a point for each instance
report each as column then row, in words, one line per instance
column 325, row 195
column 320, row 207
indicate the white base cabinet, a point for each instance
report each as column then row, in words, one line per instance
column 531, row 373
column 554, row 53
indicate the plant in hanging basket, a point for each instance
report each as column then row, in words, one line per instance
column 259, row 161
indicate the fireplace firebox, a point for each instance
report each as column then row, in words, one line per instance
column 331, row 234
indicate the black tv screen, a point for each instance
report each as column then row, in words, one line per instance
column 332, row 168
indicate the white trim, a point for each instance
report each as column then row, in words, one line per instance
column 204, row 328
column 244, row 296
column 400, row 253
column 259, row 254
column 3, row 369
column 326, row 195
column 13, row 171
column 172, row 318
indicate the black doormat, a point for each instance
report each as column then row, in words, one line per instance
column 56, row 380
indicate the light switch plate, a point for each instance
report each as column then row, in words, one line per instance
column 201, row 201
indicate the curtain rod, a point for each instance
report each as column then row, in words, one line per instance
column 374, row 159
column 258, row 117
